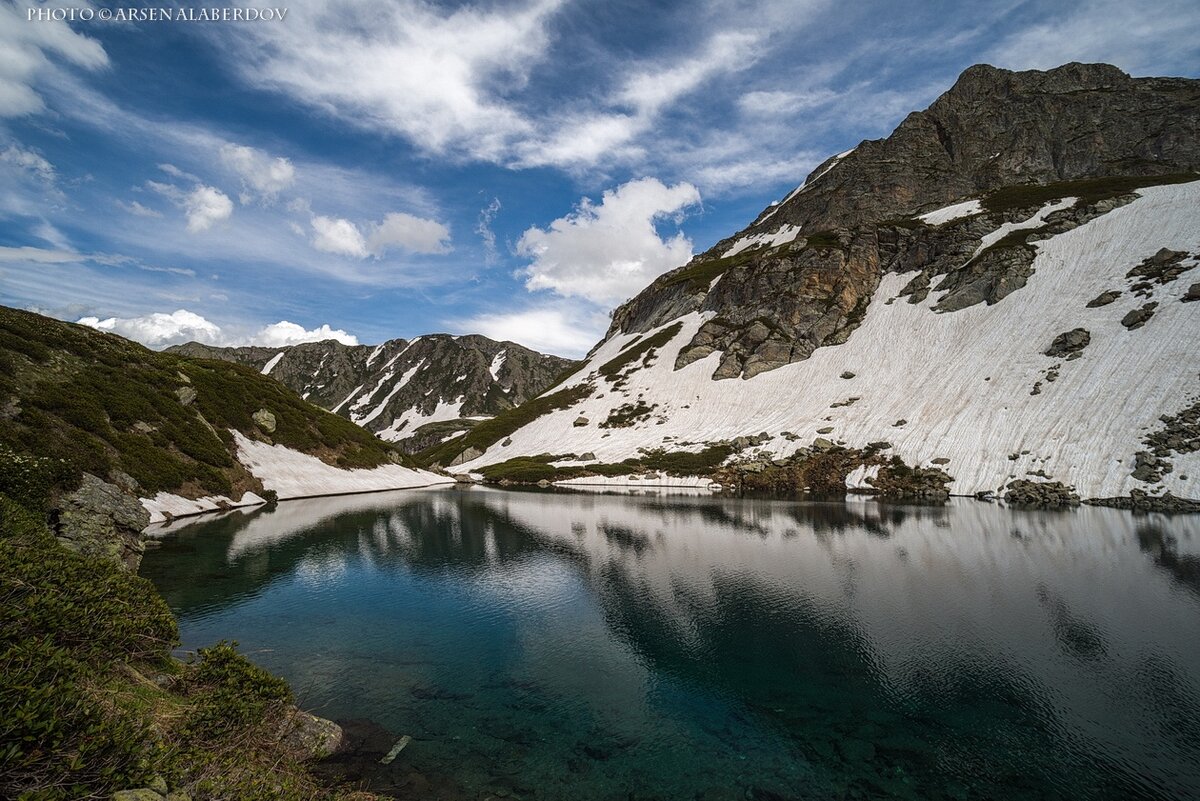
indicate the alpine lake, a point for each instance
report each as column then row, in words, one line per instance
column 587, row 645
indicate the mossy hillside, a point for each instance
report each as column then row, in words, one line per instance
column 1088, row 190
column 532, row 469
column 95, row 402
column 93, row 701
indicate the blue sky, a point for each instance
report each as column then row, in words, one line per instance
column 372, row 170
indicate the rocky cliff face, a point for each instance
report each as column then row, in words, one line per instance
column 1000, row 289
column 801, row 275
column 414, row 392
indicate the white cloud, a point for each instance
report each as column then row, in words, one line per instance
column 414, row 234
column 284, row 333
column 563, row 328
column 1134, row 36
column 262, row 176
column 204, row 206
column 653, row 88
column 24, row 62
column 607, row 252
column 138, row 210
column 159, row 330
column 484, row 229
column 336, row 235
column 783, row 102
column 408, row 67
column 398, row 230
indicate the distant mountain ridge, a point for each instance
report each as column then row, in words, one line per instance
column 998, row 295
column 415, row 392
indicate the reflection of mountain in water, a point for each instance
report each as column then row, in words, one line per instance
column 898, row 644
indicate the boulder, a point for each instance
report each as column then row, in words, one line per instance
column 580, row 421
column 102, row 520
column 1069, row 344
column 1103, row 299
column 1139, row 317
column 186, row 395
column 306, row 736
column 264, row 420
column 1193, row 294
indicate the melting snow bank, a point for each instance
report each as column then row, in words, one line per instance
column 654, row 480
column 297, row 475
column 164, row 503
column 292, row 474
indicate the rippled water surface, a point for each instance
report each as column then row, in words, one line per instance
column 559, row 645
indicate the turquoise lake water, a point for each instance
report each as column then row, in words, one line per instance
column 575, row 645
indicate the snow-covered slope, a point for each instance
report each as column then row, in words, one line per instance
column 957, row 386
column 292, row 474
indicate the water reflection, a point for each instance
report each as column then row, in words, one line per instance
column 595, row 645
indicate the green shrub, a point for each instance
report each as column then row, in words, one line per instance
column 1089, row 190
column 230, row 692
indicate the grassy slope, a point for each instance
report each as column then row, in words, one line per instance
column 102, row 404
column 93, row 701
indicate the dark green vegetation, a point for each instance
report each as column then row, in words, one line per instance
column 532, row 469
column 700, row 273
column 627, row 414
column 92, row 700
column 1088, row 191
column 489, row 432
column 640, row 349
column 97, row 403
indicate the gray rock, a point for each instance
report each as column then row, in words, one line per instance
column 940, row 460
column 847, row 375
column 587, row 457
column 822, row 444
column 100, row 519
column 1069, row 343
column 580, row 421
column 306, row 736
column 265, row 420
column 1040, row 494
column 825, row 430
column 1193, row 294
column 158, row 784
column 186, row 395
column 465, row 456
column 140, row 794
column 178, row 795
column 1103, row 299
column 1139, row 317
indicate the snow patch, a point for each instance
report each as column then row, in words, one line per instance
column 497, row 363
column 269, row 366
column 164, row 503
column 785, row 234
column 293, row 474
column 967, row 208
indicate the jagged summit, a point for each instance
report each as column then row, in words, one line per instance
column 413, row 392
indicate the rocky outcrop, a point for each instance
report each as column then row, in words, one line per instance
column 101, row 519
column 1040, row 494
column 407, row 391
